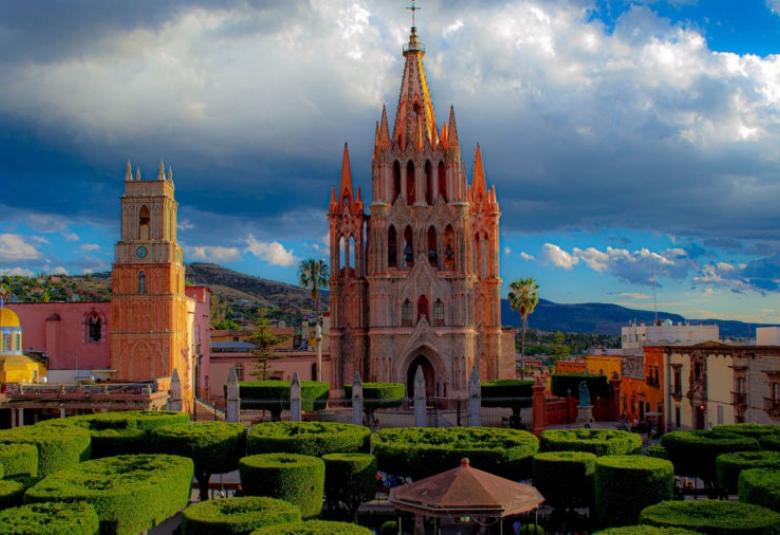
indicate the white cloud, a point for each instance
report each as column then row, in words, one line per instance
column 40, row 240
column 636, row 295
column 17, row 271
column 272, row 252
column 59, row 270
column 89, row 247
column 556, row 256
column 507, row 250
column 14, row 248
column 527, row 257
column 87, row 271
column 593, row 258
column 208, row 253
column 184, row 224
column 70, row 236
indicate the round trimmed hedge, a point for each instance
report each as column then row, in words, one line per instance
column 657, row 451
column 307, row 438
column 58, row 448
column 565, row 478
column 729, row 465
column 625, row 484
column 350, row 478
column 380, row 395
column 645, row 530
column 694, row 452
column 131, row 493
column 19, row 460
column 237, row 515
column 597, row 441
column 50, row 518
column 770, row 441
column 714, row 517
column 747, row 430
column 298, row 479
column 214, row 447
column 11, row 494
column 514, row 393
column 314, row 527
column 568, row 384
column 275, row 395
column 760, row 486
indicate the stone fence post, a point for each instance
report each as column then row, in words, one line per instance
column 233, row 400
column 357, row 400
column 295, row 398
column 475, row 399
column 174, row 393
column 420, row 401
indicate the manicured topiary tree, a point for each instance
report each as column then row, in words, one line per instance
column 770, row 441
column 58, row 448
column 747, row 430
column 274, row 396
column 714, row 517
column 625, row 484
column 596, row 441
column 298, row 479
column 645, row 530
column 694, row 452
column 389, row 527
column 237, row 515
column 307, row 438
column 50, row 518
column 568, row 384
column 350, row 479
column 760, row 486
column 314, row 527
column 657, row 451
column 131, row 493
column 19, row 460
column 729, row 465
column 379, row 396
column 514, row 394
column 423, row 451
column 565, row 478
column 214, row 447
column 11, row 494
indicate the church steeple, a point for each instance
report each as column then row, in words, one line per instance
column 345, row 187
column 478, row 183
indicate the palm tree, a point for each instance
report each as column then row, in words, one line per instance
column 523, row 297
column 313, row 274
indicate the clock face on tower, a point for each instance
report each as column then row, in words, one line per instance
column 141, row 251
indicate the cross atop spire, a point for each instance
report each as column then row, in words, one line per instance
column 413, row 8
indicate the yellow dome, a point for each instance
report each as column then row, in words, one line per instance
column 8, row 318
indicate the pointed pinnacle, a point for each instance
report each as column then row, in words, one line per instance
column 452, row 129
column 161, row 171
column 346, row 174
column 138, row 173
column 128, row 172
column 478, row 175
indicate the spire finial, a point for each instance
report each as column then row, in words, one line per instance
column 161, row 171
column 128, row 172
column 138, row 173
column 170, row 173
column 413, row 8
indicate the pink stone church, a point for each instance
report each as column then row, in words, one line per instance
column 415, row 282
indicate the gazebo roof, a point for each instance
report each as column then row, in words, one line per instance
column 466, row 490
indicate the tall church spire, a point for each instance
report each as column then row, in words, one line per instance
column 478, row 182
column 345, row 188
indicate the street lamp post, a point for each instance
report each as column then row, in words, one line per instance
column 318, row 337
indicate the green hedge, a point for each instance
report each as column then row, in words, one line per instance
column 565, row 478
column 131, row 493
column 298, row 479
column 645, row 530
column 11, row 494
column 694, row 452
column 657, row 451
column 596, row 441
column 350, row 478
column 307, row 438
column 237, row 516
column 563, row 384
column 380, row 395
column 423, row 451
column 275, row 395
column 760, row 486
column 729, row 465
column 625, row 484
column 57, row 448
column 389, row 527
column 50, row 518
column 714, row 517
column 214, row 447
column 314, row 527
column 19, row 460
column 770, row 441
column 514, row 393
column 747, row 430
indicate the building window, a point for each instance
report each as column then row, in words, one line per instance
column 94, row 328
column 433, row 255
column 438, row 313
column 775, row 392
column 239, row 372
column 422, row 308
column 720, row 414
column 410, row 184
column 143, row 223
column 442, row 181
column 449, row 248
column 406, row 314
column 141, row 282
column 396, row 181
column 677, row 381
column 408, row 248
column 392, row 248
column 428, row 183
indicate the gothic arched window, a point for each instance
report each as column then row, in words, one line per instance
column 438, row 313
column 410, row 184
column 342, row 253
column 392, row 247
column 94, row 328
column 433, row 255
column 422, row 308
column 449, row 248
column 143, row 223
column 428, row 183
column 408, row 248
column 396, row 181
column 484, row 256
column 442, row 181
column 406, row 314
column 141, row 282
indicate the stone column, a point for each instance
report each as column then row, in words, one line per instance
column 20, row 419
column 475, row 399
column 420, row 402
column 615, row 382
column 538, row 406
column 233, row 400
column 357, row 400
column 62, row 411
column 13, row 417
column 174, row 394
column 295, row 398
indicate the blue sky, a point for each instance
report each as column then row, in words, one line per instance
column 635, row 146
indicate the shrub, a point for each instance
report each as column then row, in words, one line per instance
column 568, row 384
column 729, row 465
column 511, row 393
column 57, row 448
column 11, row 493
column 770, row 442
column 50, row 518
column 714, row 517
column 760, row 486
column 532, row 529
column 274, row 396
column 657, row 451
column 214, row 447
column 379, row 396
column 131, row 493
column 747, row 430
column 307, row 438
column 596, row 441
column 350, row 478
column 625, row 484
column 298, row 479
column 694, row 452
column 237, row 516
column 565, row 478
column 423, row 451
column 645, row 530
column 314, row 527
column 389, row 527
column 19, row 459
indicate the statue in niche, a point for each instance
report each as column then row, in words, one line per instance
column 584, row 394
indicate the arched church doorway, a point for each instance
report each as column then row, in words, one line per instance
column 427, row 368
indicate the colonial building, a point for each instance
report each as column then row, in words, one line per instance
column 415, row 283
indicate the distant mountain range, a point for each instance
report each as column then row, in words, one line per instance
column 240, row 291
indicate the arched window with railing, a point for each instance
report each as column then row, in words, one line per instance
column 392, row 247
column 408, row 248
column 438, row 313
column 442, row 181
column 433, row 254
column 406, row 314
column 144, row 220
column 422, row 308
column 449, row 248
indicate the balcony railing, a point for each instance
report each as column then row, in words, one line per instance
column 772, row 406
column 739, row 398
